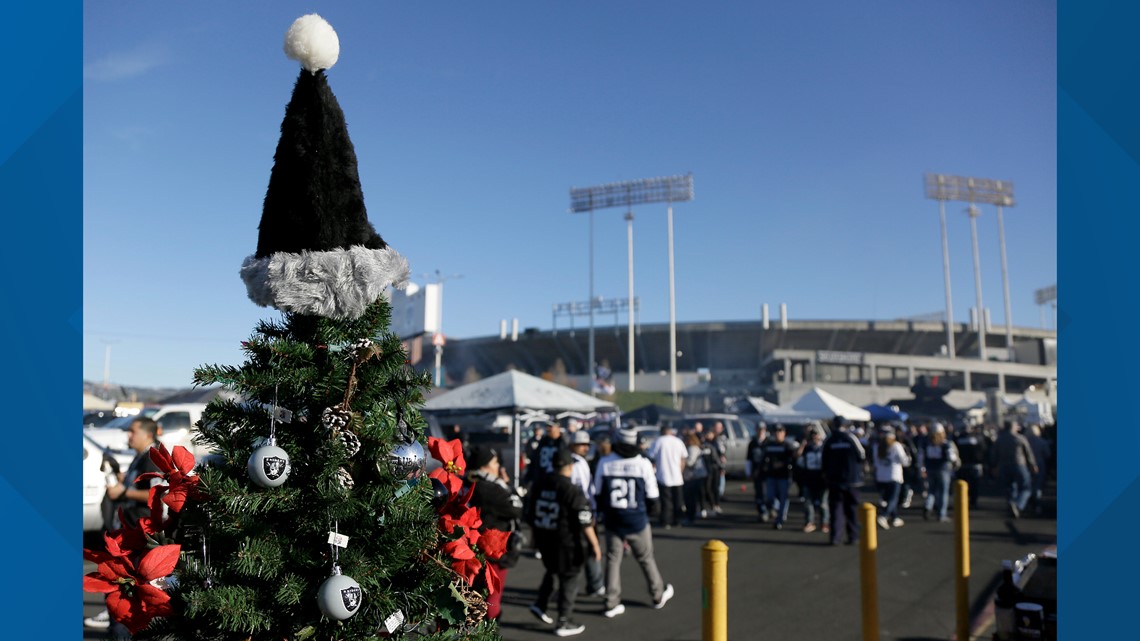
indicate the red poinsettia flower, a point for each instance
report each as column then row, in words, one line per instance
column 492, row 576
column 493, row 543
column 131, row 599
column 175, row 468
column 467, row 568
column 468, row 518
column 450, row 453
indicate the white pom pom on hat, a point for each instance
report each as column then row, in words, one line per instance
column 312, row 41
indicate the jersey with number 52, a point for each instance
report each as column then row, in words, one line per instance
column 624, row 487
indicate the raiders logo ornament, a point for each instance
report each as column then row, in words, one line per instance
column 269, row 465
column 340, row 596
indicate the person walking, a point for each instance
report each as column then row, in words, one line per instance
column 720, row 443
column 696, row 475
column 843, row 458
column 1015, row 464
column 779, row 457
column 582, row 476
column 890, row 460
column 937, row 463
column 668, row 454
column 715, row 459
column 809, row 462
column 972, row 451
column 1042, row 453
column 499, row 507
column 561, row 518
column 754, row 469
column 627, row 494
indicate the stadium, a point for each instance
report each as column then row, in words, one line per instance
column 717, row 363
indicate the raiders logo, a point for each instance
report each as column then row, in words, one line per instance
column 274, row 467
column 351, row 598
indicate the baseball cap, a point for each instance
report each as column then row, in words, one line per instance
column 627, row 436
column 581, row 437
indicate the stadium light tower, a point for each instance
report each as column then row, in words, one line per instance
column 944, row 187
column 669, row 189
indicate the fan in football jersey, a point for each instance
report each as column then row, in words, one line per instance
column 627, row 492
column 562, row 518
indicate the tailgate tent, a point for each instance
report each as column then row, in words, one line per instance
column 771, row 413
column 825, row 406
column 518, row 394
column 882, row 413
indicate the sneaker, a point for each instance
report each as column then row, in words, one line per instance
column 944, row 519
column 568, row 628
column 614, row 611
column 665, row 596
column 777, row 526
column 537, row 554
column 716, row 508
column 599, row 592
column 826, row 529
column 896, row 522
column 540, row 614
column 100, row 621
column 810, row 527
column 882, row 521
column 704, row 514
column 926, row 513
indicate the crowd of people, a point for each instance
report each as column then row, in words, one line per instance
column 585, row 513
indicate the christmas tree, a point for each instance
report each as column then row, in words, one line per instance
column 314, row 518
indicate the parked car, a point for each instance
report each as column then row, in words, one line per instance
column 175, row 424
column 738, row 432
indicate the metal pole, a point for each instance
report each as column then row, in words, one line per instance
column 974, row 211
column 1005, row 285
column 672, row 316
column 518, row 438
column 629, row 309
column 962, row 557
column 714, row 591
column 946, row 277
column 868, row 547
column 590, row 365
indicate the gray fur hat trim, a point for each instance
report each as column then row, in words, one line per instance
column 339, row 283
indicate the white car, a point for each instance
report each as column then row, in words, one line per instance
column 175, row 422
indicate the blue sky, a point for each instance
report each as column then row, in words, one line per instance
column 807, row 128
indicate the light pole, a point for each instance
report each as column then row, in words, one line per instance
column 1043, row 296
column 632, row 360
column 437, row 339
column 669, row 189
column 973, row 212
column 944, row 187
column 1005, row 202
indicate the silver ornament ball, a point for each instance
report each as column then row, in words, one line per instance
column 407, row 460
column 269, row 466
column 339, row 597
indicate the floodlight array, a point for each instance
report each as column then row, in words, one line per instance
column 671, row 189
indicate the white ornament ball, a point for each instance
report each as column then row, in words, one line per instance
column 312, row 42
column 339, row 597
column 269, row 466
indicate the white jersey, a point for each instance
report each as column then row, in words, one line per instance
column 668, row 452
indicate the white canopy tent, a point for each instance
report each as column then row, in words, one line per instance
column 823, row 405
column 521, row 395
column 771, row 413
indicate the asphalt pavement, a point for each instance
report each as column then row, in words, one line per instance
column 790, row 585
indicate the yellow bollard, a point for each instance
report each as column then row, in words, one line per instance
column 868, row 546
column 714, row 591
column 962, row 557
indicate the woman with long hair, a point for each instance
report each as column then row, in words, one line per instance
column 890, row 458
column 695, row 476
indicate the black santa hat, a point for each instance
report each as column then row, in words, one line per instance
column 317, row 254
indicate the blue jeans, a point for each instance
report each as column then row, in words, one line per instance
column 778, row 498
column 1016, row 480
column 890, row 491
column 815, row 497
column 939, row 497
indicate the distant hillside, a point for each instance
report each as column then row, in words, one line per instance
column 121, row 393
